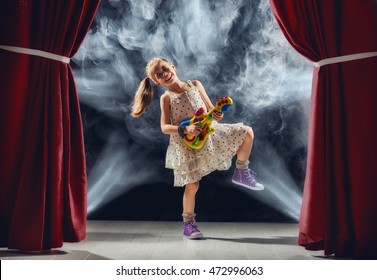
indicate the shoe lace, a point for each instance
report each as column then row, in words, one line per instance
column 193, row 224
column 249, row 174
column 192, row 227
column 251, row 171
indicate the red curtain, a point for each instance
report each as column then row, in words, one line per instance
column 42, row 158
column 339, row 207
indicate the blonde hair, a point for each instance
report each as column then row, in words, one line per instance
column 144, row 93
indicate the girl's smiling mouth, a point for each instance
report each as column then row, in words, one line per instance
column 170, row 78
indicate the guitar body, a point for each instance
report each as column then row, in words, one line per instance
column 205, row 120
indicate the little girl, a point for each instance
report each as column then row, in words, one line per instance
column 179, row 102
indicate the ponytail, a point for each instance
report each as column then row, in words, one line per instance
column 144, row 94
column 143, row 97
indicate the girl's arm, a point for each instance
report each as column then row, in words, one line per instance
column 217, row 115
column 166, row 127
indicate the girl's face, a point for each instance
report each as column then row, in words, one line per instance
column 164, row 73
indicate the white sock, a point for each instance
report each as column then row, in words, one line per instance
column 188, row 216
column 242, row 164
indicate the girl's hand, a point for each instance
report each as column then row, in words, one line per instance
column 194, row 129
column 217, row 116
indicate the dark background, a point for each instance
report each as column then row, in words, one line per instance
column 234, row 48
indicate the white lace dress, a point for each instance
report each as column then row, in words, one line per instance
column 189, row 164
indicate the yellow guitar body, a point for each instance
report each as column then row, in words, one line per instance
column 205, row 120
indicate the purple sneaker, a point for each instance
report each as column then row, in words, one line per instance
column 191, row 230
column 246, row 178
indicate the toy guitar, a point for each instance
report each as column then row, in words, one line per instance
column 205, row 119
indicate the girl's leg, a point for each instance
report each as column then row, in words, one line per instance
column 244, row 151
column 190, row 229
column 244, row 176
column 189, row 198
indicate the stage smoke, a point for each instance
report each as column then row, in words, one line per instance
column 234, row 48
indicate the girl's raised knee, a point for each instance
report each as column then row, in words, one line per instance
column 250, row 133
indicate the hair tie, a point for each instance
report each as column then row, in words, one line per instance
column 149, row 79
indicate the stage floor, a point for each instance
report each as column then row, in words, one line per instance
column 149, row 240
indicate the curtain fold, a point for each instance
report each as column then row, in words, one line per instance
column 339, row 207
column 42, row 158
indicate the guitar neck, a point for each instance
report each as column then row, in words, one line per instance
column 216, row 108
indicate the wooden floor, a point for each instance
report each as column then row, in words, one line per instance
column 145, row 240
